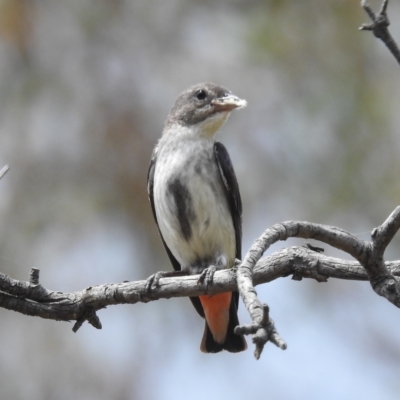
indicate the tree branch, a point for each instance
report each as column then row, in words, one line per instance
column 30, row 298
column 368, row 254
column 379, row 27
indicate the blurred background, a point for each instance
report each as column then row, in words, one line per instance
column 85, row 87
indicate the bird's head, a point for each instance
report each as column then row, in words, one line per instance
column 202, row 109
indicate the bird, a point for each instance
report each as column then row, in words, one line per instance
column 196, row 203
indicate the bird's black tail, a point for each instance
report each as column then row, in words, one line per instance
column 233, row 343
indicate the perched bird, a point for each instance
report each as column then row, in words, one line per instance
column 196, row 203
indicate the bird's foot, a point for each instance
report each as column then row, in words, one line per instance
column 154, row 280
column 207, row 276
column 236, row 265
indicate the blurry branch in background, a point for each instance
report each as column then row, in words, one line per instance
column 4, row 170
column 379, row 27
column 31, row 298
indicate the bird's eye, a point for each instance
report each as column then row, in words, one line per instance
column 201, row 94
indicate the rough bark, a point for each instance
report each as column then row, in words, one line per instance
column 30, row 298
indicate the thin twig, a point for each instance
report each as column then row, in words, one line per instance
column 379, row 27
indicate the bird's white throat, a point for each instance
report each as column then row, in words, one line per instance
column 207, row 128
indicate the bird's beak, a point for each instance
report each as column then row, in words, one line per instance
column 228, row 103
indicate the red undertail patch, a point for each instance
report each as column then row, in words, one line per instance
column 216, row 310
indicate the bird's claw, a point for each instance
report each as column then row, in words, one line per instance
column 153, row 280
column 207, row 276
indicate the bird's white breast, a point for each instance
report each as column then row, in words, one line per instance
column 191, row 162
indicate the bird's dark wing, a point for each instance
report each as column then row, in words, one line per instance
column 233, row 195
column 232, row 192
column 174, row 261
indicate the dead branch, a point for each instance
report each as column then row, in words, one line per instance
column 368, row 254
column 31, row 298
column 379, row 27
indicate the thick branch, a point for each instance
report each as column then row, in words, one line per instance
column 299, row 262
column 31, row 298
